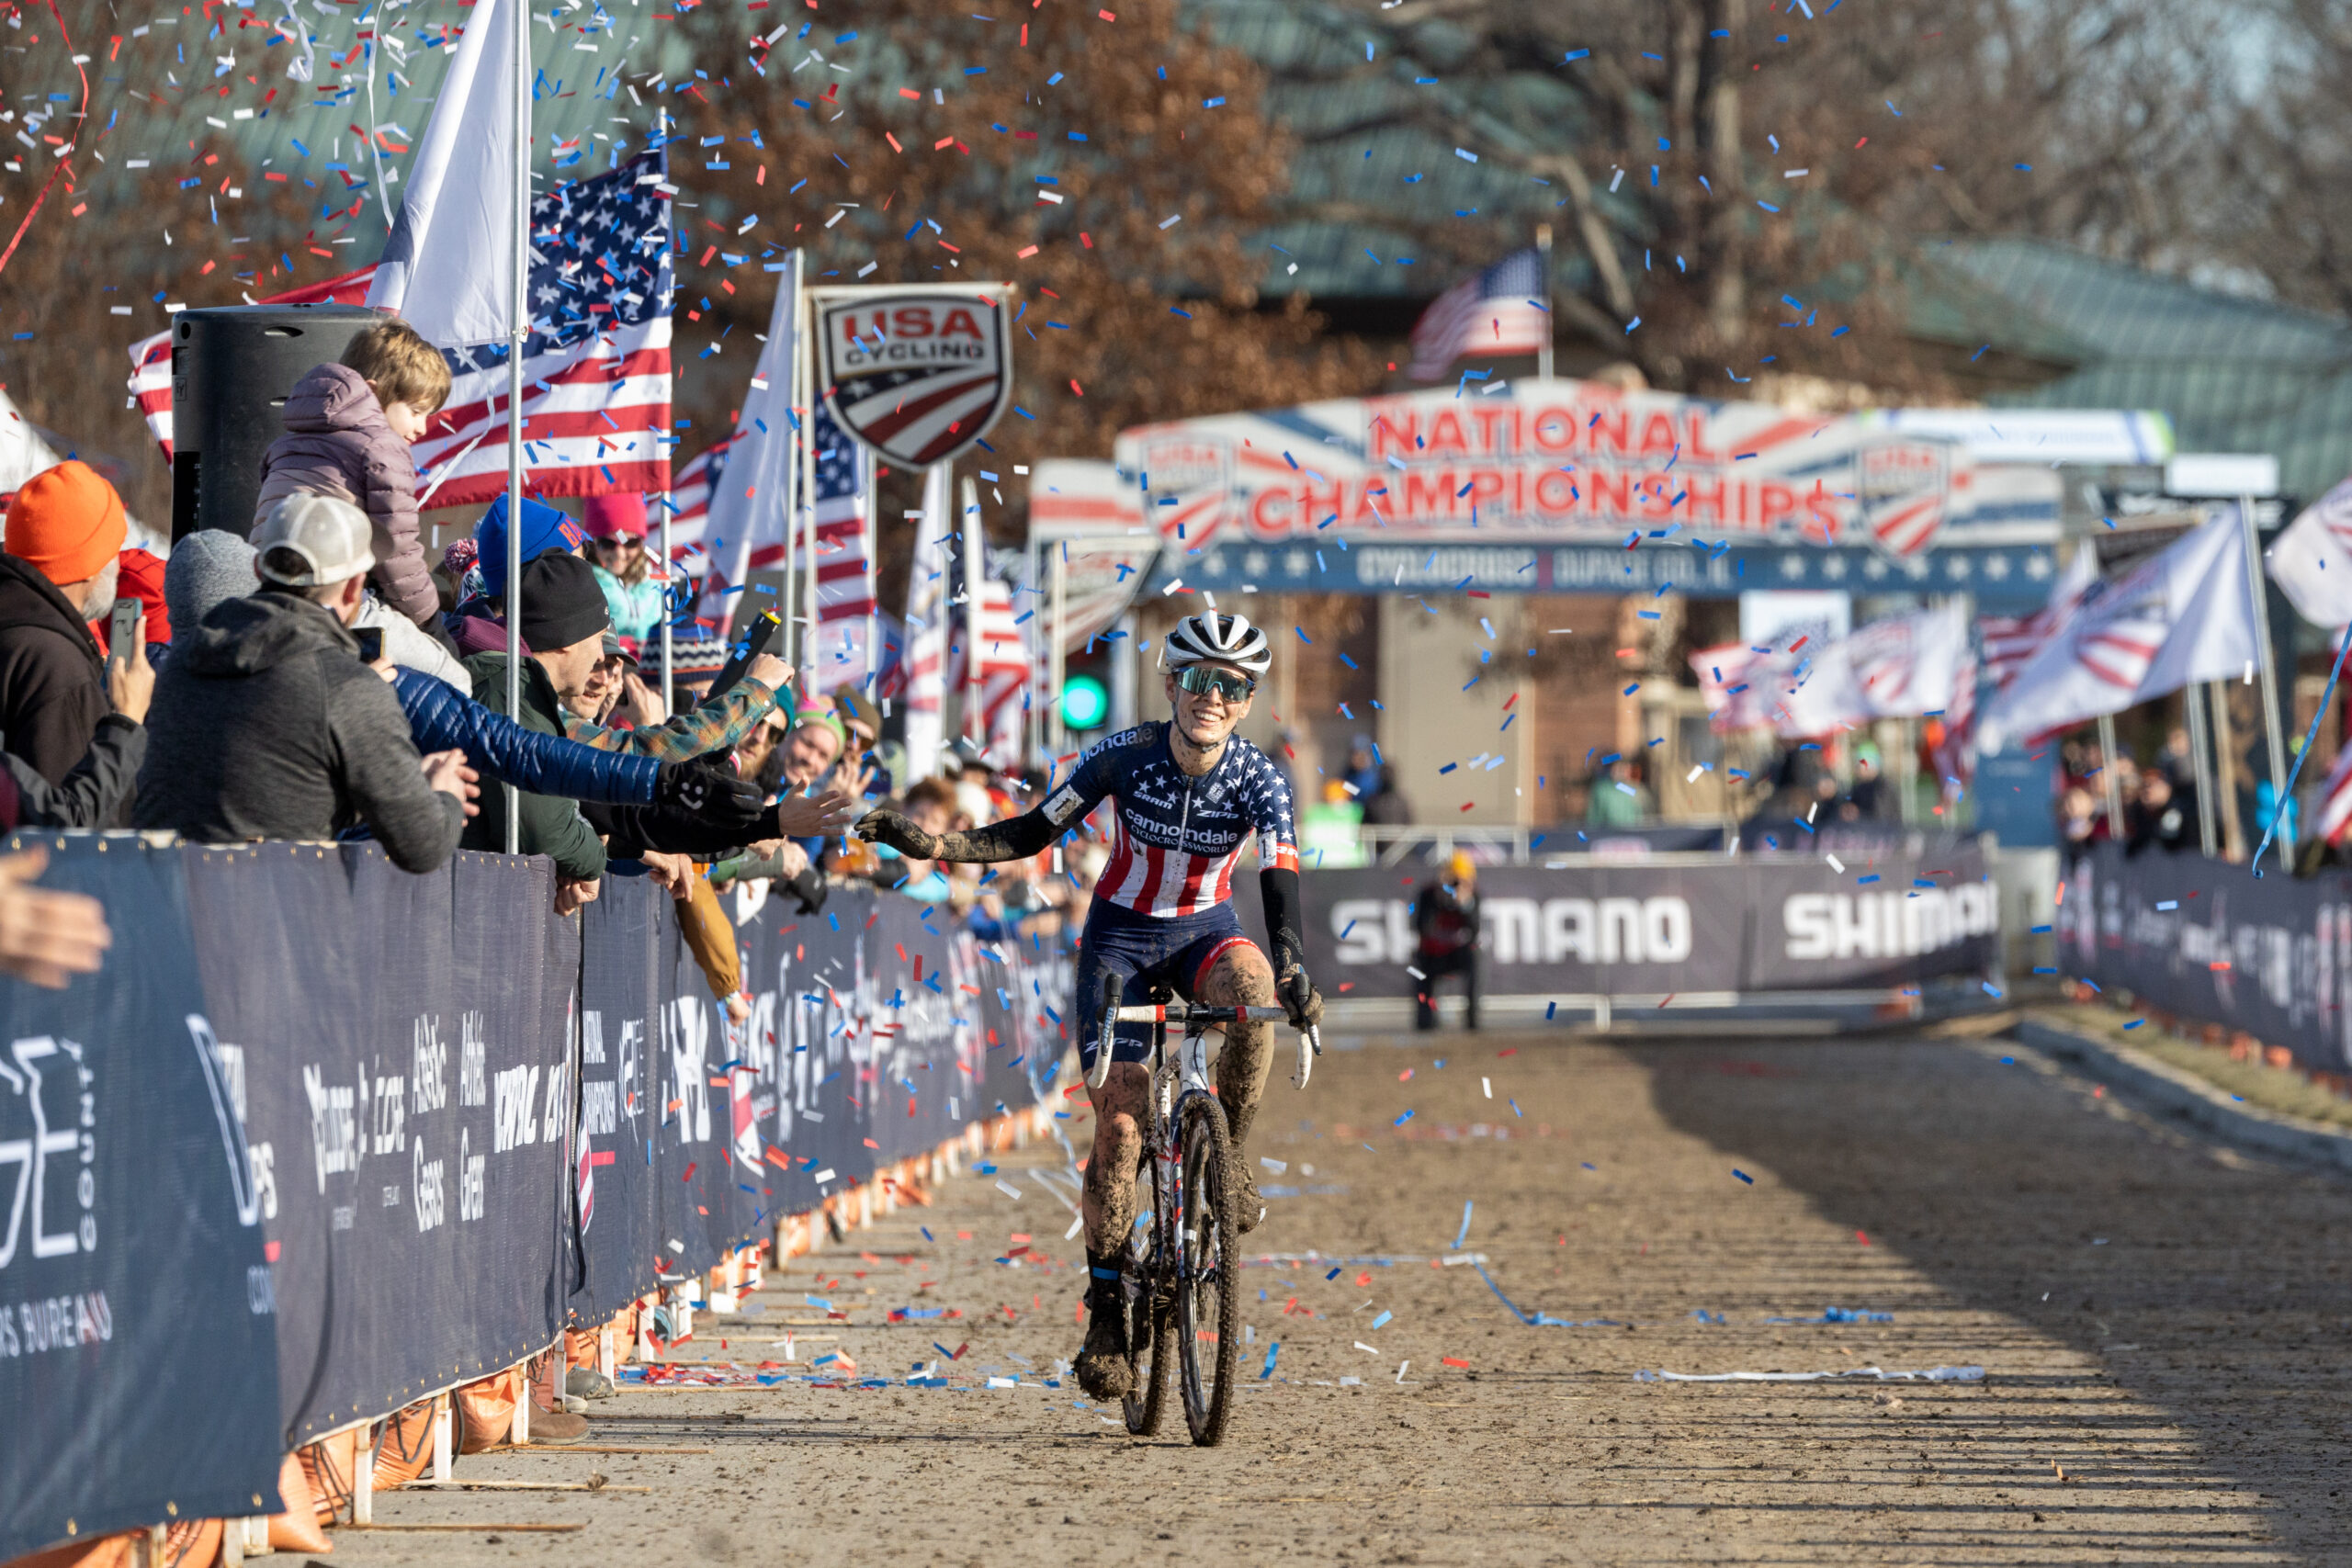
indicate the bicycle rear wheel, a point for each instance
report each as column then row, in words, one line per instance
column 1208, row 1296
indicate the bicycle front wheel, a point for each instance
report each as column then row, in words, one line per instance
column 1208, row 1296
column 1150, row 1348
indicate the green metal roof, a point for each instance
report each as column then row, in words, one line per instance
column 2235, row 374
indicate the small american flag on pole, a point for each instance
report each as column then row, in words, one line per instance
column 1500, row 310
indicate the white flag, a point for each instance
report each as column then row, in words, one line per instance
column 2312, row 560
column 448, row 267
column 923, row 658
column 2184, row 615
column 1901, row 667
column 751, row 502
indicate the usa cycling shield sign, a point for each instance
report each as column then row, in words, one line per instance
column 918, row 376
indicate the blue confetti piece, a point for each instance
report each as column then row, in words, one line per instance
column 1743, row 1176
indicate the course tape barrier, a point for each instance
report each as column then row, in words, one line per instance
column 322, row 1138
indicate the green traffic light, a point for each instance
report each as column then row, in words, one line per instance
column 1085, row 704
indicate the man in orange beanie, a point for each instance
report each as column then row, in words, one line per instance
column 65, row 529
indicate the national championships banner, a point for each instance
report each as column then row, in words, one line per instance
column 1573, row 461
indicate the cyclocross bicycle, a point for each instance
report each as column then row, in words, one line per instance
column 1182, row 1275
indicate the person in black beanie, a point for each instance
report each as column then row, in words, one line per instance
column 563, row 623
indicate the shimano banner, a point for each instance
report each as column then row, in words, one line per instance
column 874, row 1034
column 138, row 1364
column 2207, row 940
column 399, row 1042
column 1644, row 929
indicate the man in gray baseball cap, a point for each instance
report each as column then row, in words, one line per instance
column 267, row 724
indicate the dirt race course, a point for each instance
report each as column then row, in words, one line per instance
column 2162, row 1325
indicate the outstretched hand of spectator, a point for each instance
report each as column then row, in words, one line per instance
column 813, row 815
column 769, row 671
column 47, row 937
column 447, row 773
column 713, row 795
column 571, row 893
column 675, row 875
column 130, row 682
column 897, row 831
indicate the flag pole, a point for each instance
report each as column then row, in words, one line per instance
column 1543, row 268
column 518, row 331
column 806, row 499
column 2256, row 587
column 803, row 419
column 2192, row 697
column 975, row 721
column 2108, row 778
column 661, row 140
column 871, row 523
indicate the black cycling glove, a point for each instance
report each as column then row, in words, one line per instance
column 1299, row 997
column 716, row 798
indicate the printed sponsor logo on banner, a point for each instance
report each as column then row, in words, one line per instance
column 472, row 1177
column 1887, row 925
column 429, row 1066
column 917, row 378
column 685, row 1029
column 515, row 1124
column 632, row 1050
column 335, row 1130
column 1529, row 930
column 425, row 1179
column 1901, row 486
column 59, row 1103
column 473, row 1061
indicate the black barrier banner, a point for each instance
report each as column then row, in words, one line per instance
column 878, row 1030
column 1734, row 925
column 324, row 1137
column 137, row 1371
column 402, row 1045
column 2209, row 940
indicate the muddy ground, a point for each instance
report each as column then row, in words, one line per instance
column 2162, row 1325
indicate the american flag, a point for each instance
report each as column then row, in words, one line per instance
column 690, row 554
column 1501, row 311
column 596, row 366
column 844, row 560
column 2009, row 641
column 1005, row 663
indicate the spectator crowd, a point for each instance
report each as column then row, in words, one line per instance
column 319, row 678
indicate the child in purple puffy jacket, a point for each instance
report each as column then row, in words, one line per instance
column 348, row 428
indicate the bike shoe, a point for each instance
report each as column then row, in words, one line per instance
column 1102, row 1365
column 1249, row 1208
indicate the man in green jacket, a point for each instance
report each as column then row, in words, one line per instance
column 564, row 617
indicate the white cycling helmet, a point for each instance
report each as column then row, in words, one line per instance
column 1217, row 637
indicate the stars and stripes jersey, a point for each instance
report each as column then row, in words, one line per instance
column 1177, row 836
